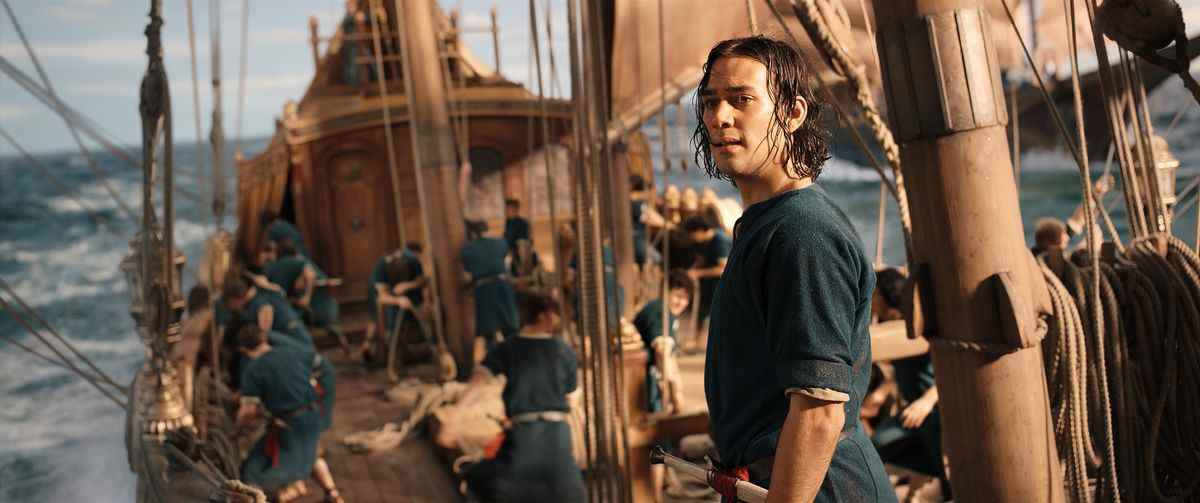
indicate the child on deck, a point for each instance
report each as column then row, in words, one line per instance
column 534, row 462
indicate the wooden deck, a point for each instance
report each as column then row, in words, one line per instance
column 409, row 473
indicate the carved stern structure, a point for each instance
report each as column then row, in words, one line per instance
column 329, row 168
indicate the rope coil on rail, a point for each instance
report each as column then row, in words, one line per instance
column 1148, row 355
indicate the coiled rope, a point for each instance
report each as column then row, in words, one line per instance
column 840, row 61
column 1148, row 335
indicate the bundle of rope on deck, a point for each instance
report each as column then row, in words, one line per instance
column 1149, row 336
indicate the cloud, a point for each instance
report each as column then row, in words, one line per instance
column 79, row 10
column 10, row 112
column 97, row 50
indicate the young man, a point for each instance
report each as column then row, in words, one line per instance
column 789, row 355
column 298, row 277
column 712, row 250
column 278, row 229
column 534, row 462
column 913, row 438
column 516, row 227
column 268, row 310
column 495, row 299
column 1050, row 234
column 283, row 376
column 396, row 283
column 661, row 346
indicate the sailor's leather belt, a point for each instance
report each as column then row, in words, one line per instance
column 554, row 416
column 490, row 279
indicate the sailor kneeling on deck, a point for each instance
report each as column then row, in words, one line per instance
column 534, row 462
column 789, row 356
column 301, row 280
column 294, row 384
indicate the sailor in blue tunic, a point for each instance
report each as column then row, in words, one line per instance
column 495, row 299
column 712, row 247
column 267, row 309
column 278, row 229
column 516, row 227
column 295, row 385
column 789, row 352
column 534, row 462
column 279, row 378
column 396, row 284
column 300, row 277
column 661, row 347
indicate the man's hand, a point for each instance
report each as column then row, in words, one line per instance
column 304, row 301
column 915, row 414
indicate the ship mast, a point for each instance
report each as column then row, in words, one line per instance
column 436, row 169
column 976, row 292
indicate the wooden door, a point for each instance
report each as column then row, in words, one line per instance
column 362, row 217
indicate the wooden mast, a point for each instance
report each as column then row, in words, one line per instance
column 977, row 292
column 436, row 169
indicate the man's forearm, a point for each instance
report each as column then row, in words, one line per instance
column 806, row 446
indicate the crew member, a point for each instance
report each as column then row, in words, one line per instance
column 278, row 229
column 788, row 358
column 712, row 247
column 396, row 284
column 302, row 280
column 661, row 368
column 281, row 374
column 495, row 299
column 194, row 332
column 267, row 309
column 516, row 227
column 1050, row 234
column 534, row 462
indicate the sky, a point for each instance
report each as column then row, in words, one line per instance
column 94, row 54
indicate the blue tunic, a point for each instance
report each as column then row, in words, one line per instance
column 322, row 371
column 285, row 319
column 515, row 229
column 380, row 275
column 534, row 462
column 649, row 325
column 919, row 449
column 280, row 379
column 287, row 270
column 495, row 300
column 711, row 254
column 639, row 232
column 792, row 311
column 281, row 229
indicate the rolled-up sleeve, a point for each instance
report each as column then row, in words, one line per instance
column 811, row 295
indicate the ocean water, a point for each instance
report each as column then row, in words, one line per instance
column 61, row 441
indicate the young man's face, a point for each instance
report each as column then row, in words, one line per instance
column 738, row 113
column 678, row 300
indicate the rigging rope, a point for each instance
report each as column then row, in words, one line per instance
column 842, row 115
column 664, row 140
column 101, row 175
column 196, row 95
column 237, row 136
column 381, row 76
column 551, row 187
column 840, row 60
column 217, row 135
column 62, row 187
column 16, row 315
column 1096, row 312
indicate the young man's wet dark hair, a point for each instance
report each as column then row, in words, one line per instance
column 678, row 279
column 530, row 305
column 235, row 287
column 696, row 223
column 198, row 298
column 266, row 217
column 807, row 148
column 637, row 183
column 249, row 336
column 286, row 247
column 890, row 283
column 475, row 228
